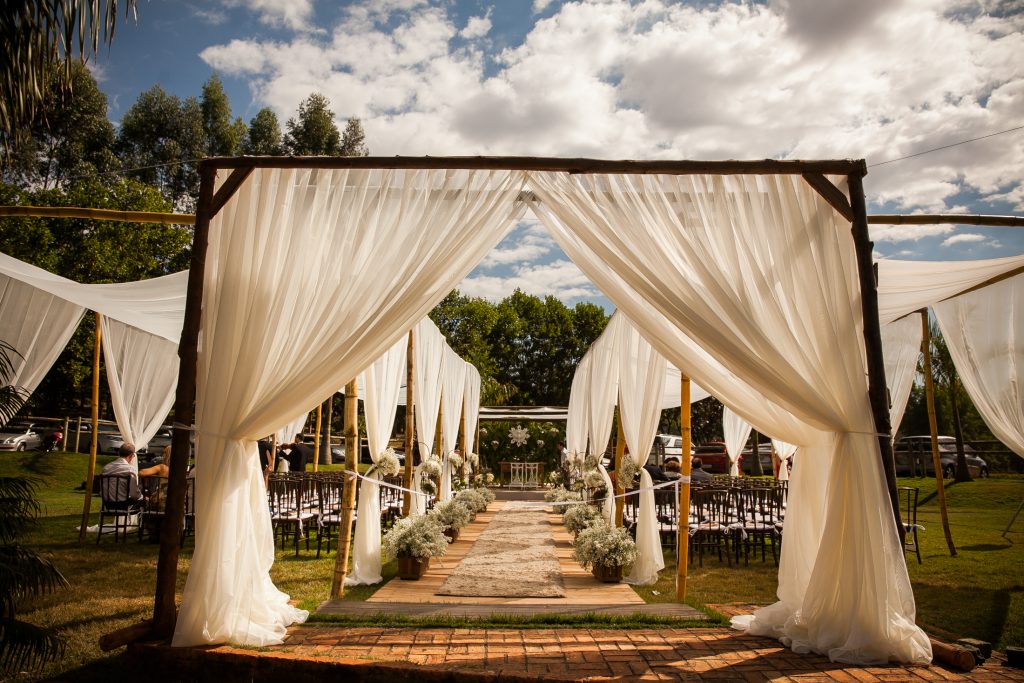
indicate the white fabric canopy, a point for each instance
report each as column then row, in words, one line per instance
column 381, row 384
column 641, row 379
column 602, row 393
column 577, row 424
column 429, row 228
column 901, row 344
column 453, row 391
column 471, row 406
column 142, row 373
column 428, row 375
column 984, row 331
column 760, row 271
column 736, row 431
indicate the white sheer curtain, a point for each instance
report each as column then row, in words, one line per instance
column 901, row 344
column 452, row 394
column 380, row 384
column 37, row 325
column 428, row 374
column 272, row 266
column 736, row 431
column 576, row 424
column 471, row 406
column 783, row 450
column 603, row 391
column 641, row 378
column 286, row 433
column 142, row 373
column 761, row 272
column 984, row 331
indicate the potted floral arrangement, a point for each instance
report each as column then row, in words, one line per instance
column 429, row 471
column 581, row 516
column 472, row 499
column 483, row 480
column 413, row 541
column 605, row 550
column 626, row 473
column 560, row 494
column 387, row 464
column 452, row 516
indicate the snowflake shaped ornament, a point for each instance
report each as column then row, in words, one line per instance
column 519, row 435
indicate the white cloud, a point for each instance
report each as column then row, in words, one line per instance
column 209, row 15
column 476, row 27
column 293, row 14
column 532, row 245
column 561, row 279
column 540, row 5
column 907, row 233
column 963, row 238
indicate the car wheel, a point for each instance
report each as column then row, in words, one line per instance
column 948, row 471
column 22, row 447
column 984, row 472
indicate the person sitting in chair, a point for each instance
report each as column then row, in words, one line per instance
column 112, row 496
column 697, row 471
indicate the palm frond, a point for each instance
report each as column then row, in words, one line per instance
column 26, row 646
column 18, row 506
column 24, row 573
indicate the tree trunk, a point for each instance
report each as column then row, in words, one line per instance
column 962, row 473
column 756, row 469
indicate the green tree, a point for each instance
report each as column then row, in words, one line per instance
column 41, row 39
column 69, row 135
column 353, row 139
column 264, row 135
column 224, row 137
column 313, row 133
column 163, row 138
column 945, row 374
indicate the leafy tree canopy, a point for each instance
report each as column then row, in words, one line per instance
column 264, row 135
column 313, row 132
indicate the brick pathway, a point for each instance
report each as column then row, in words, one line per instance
column 436, row 654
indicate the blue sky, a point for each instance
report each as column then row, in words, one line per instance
column 873, row 79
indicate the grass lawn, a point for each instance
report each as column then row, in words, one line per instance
column 978, row 594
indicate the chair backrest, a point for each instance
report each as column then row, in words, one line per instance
column 155, row 490
column 115, row 488
column 908, row 503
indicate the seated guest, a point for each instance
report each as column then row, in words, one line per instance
column 672, row 470
column 162, row 469
column 698, row 473
column 655, row 472
column 123, row 465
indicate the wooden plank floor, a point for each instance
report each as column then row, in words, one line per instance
column 581, row 588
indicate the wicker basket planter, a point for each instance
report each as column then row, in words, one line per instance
column 412, row 568
column 607, row 574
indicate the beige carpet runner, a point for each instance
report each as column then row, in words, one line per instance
column 513, row 558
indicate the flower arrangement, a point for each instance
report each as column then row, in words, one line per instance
column 601, row 545
column 431, row 467
column 593, row 479
column 540, row 443
column 626, row 472
column 420, row 537
column 560, row 495
column 495, row 444
column 581, row 516
column 456, row 461
column 590, row 461
column 555, row 477
column 473, row 459
column 450, row 514
column 387, row 464
column 487, row 494
column 428, row 486
column 473, row 499
column 519, row 435
column 483, row 431
column 482, row 480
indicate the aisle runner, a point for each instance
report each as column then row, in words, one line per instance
column 514, row 558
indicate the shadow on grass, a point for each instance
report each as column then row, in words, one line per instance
column 983, row 547
column 948, row 485
column 988, row 610
column 104, row 670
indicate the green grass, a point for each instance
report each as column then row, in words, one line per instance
column 977, row 594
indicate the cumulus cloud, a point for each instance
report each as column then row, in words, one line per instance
column 907, row 233
column 561, row 279
column 293, row 14
column 208, row 15
column 476, row 27
column 963, row 238
column 532, row 244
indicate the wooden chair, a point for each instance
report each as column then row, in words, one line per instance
column 908, row 506
column 116, row 506
column 711, row 527
column 152, row 515
column 759, row 511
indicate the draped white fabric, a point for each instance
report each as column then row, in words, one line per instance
column 286, row 433
column 761, row 272
column 428, row 375
column 142, row 373
column 381, row 384
column 471, row 406
column 37, row 325
column 608, row 506
column 736, row 431
column 603, row 390
column 576, row 425
column 272, row 266
column 901, row 344
column 673, row 385
column 453, row 391
column 641, row 379
column 984, row 331
column 783, row 450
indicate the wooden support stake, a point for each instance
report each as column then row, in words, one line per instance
column 91, row 473
column 78, row 433
column 98, row 214
column 273, row 452
column 878, row 392
column 683, row 537
column 439, row 445
column 620, row 451
column 329, row 455
column 316, row 441
column 348, row 501
column 64, row 444
column 462, row 441
column 933, row 428
column 410, row 424
column 164, row 608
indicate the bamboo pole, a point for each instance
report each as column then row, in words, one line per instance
column 683, row 513
column 164, row 609
column 78, row 433
column 97, row 214
column 620, row 451
column 947, row 218
column 462, row 441
column 329, row 456
column 439, row 443
column 64, row 445
column 316, row 441
column 878, row 392
column 933, row 429
column 410, row 423
column 273, row 452
column 91, row 473
column 348, row 501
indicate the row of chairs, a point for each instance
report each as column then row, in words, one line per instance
column 119, row 514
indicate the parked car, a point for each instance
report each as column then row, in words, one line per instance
column 667, row 446
column 910, row 447
column 764, row 451
column 160, row 440
column 714, row 457
column 20, row 436
column 108, row 438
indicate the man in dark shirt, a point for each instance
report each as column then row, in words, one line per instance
column 697, row 472
column 299, row 456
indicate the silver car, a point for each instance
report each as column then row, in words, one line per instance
column 20, row 436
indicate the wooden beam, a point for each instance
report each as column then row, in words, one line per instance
column 348, row 497
column 933, row 429
column 567, row 165
column 620, row 451
column 97, row 214
column 91, row 472
column 946, row 218
column 316, row 440
column 830, row 193
column 164, row 609
column 683, row 536
column 228, row 188
column 878, row 392
column 410, row 423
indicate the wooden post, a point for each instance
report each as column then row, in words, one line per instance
column 91, row 473
column 462, row 441
column 78, row 433
column 164, row 608
column 620, row 451
column 348, row 501
column 933, row 428
column 439, row 444
column 64, row 444
column 878, row 392
column 683, row 516
column 273, row 452
column 316, row 441
column 410, row 425
column 329, row 455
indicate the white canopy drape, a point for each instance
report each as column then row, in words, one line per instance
column 577, row 423
column 428, row 375
column 429, row 227
column 452, row 394
column 603, row 390
column 784, row 451
column 901, row 343
column 984, row 331
column 736, row 431
column 471, row 406
column 761, row 272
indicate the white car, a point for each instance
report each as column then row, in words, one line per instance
column 20, row 436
